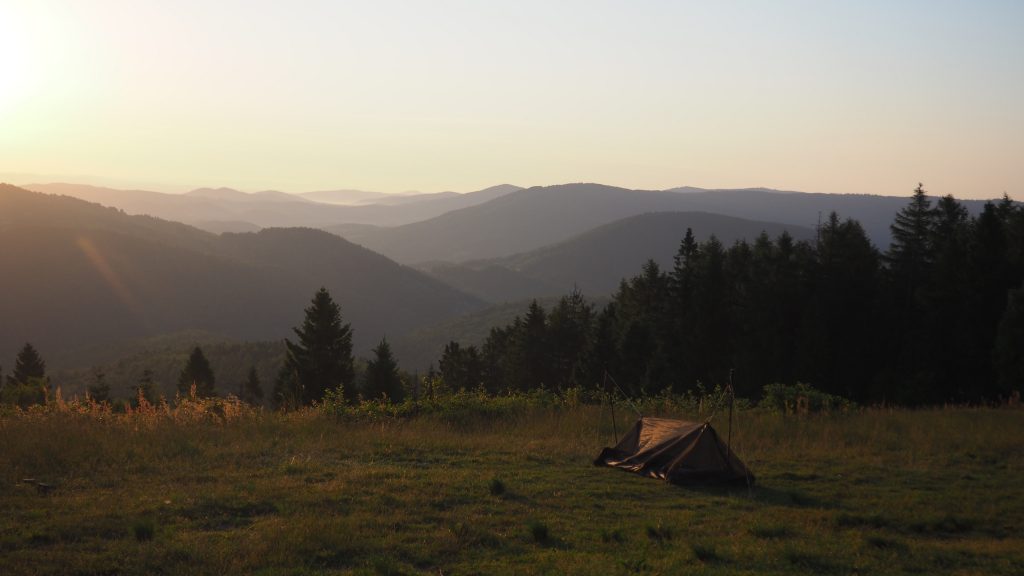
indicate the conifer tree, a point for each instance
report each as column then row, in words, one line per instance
column 682, row 287
column 570, row 328
column 461, row 368
column 28, row 365
column 911, row 250
column 1009, row 349
column 382, row 379
column 252, row 390
column 197, row 371
column 532, row 361
column 496, row 358
column 99, row 388
column 145, row 387
column 287, row 389
column 322, row 357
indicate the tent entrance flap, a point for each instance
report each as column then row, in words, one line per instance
column 676, row 451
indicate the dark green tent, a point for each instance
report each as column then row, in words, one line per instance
column 676, row 451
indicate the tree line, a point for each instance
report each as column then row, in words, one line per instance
column 937, row 317
column 318, row 361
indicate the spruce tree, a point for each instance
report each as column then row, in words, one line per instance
column 1009, row 348
column 322, row 357
column 497, row 358
column 382, row 379
column 461, row 368
column 911, row 250
column 252, row 390
column 287, row 389
column 532, row 361
column 28, row 365
column 570, row 332
column 99, row 388
column 145, row 387
column 197, row 371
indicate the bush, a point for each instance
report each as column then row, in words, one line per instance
column 539, row 532
column 497, row 487
column 801, row 398
column 144, row 530
column 25, row 394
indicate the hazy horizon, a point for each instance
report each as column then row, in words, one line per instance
column 868, row 98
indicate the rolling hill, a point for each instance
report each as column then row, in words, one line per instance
column 598, row 259
column 536, row 217
column 78, row 274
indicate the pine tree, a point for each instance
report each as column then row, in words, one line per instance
column 197, row 371
column 287, row 389
column 712, row 349
column 461, row 368
column 99, row 389
column 570, row 327
column 28, row 365
column 843, row 308
column 1009, row 350
column 497, row 358
column 252, row 390
column 682, row 286
column 322, row 357
column 911, row 252
column 145, row 387
column 532, row 359
column 382, row 379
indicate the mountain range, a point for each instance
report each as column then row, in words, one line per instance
column 80, row 278
column 530, row 219
column 79, row 274
column 226, row 209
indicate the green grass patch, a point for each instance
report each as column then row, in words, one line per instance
column 870, row 491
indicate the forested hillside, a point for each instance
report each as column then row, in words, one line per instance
column 938, row 316
column 597, row 260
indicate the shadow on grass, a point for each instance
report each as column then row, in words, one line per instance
column 789, row 498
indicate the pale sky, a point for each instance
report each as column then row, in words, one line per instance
column 822, row 96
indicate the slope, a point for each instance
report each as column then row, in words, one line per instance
column 513, row 223
column 530, row 219
column 78, row 274
column 597, row 260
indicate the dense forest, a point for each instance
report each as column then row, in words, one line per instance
column 938, row 317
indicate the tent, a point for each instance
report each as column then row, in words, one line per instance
column 676, row 451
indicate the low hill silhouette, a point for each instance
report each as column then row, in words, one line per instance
column 79, row 274
column 597, row 260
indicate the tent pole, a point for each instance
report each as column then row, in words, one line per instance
column 732, row 396
column 611, row 404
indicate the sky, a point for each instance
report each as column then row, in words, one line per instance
column 386, row 95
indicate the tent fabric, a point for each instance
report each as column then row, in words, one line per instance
column 676, row 451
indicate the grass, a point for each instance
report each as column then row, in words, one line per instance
column 873, row 491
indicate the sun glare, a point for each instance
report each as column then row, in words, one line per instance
column 16, row 71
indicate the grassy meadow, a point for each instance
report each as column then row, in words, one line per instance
column 236, row 491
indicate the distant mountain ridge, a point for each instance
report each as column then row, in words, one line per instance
column 80, row 274
column 597, row 260
column 535, row 217
column 271, row 208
